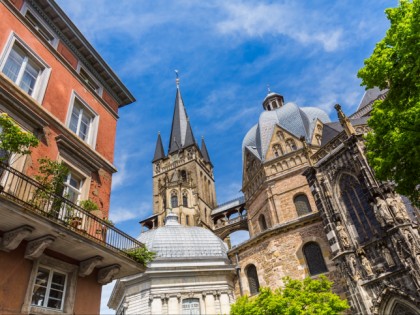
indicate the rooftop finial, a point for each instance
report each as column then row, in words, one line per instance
column 177, row 78
column 268, row 88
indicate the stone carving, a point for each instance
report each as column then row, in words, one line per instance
column 353, row 267
column 342, row 234
column 12, row 239
column 106, row 275
column 388, row 257
column 87, row 266
column 366, row 265
column 157, row 167
column 35, row 248
column 397, row 206
column 382, row 213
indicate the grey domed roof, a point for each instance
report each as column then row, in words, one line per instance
column 176, row 241
column 297, row 121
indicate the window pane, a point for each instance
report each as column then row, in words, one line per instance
column 74, row 121
column 84, row 127
column 302, row 205
column 314, row 258
column 254, row 285
column 13, row 64
column 40, row 287
column 29, row 78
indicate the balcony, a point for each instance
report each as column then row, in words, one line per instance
column 31, row 213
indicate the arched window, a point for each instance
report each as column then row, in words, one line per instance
column 191, row 306
column 277, row 150
column 184, row 175
column 291, row 144
column 251, row 274
column 355, row 198
column 174, row 199
column 185, row 199
column 314, row 258
column 302, row 205
column 262, row 223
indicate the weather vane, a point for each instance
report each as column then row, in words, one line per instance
column 268, row 88
column 177, row 78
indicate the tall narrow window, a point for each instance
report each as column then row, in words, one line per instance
column 314, row 258
column 251, row 274
column 187, row 220
column 355, row 198
column 185, row 199
column 73, row 187
column 302, row 205
column 82, row 121
column 49, row 289
column 174, row 199
column 262, row 222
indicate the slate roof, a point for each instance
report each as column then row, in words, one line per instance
column 204, row 151
column 297, row 121
column 181, row 132
column 159, row 151
column 332, row 129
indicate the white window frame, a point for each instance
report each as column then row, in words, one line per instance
column 99, row 89
column 48, row 287
column 38, row 18
column 69, row 295
column 42, row 79
column 94, row 123
column 67, row 186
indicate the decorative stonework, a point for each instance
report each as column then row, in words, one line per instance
column 87, row 266
column 12, row 239
column 106, row 274
column 35, row 248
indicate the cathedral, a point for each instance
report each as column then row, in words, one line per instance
column 311, row 204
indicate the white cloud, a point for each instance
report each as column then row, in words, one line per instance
column 121, row 214
column 288, row 19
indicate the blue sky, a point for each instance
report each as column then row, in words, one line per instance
column 227, row 53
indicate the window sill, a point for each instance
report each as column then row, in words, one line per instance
column 44, row 311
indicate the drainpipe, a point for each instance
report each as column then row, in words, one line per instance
column 238, row 273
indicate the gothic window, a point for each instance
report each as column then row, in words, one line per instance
column 302, row 205
column 185, row 199
column 291, row 144
column 174, row 199
column 314, row 259
column 251, row 274
column 318, row 139
column 280, row 135
column 277, row 150
column 184, row 175
column 262, row 223
column 355, row 199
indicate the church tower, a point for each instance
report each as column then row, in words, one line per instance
column 183, row 180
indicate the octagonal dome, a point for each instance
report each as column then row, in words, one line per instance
column 176, row 241
column 299, row 121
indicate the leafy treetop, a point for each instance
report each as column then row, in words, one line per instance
column 298, row 297
column 393, row 148
column 13, row 139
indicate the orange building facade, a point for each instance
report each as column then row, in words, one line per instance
column 55, row 255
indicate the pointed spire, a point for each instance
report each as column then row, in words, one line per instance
column 344, row 121
column 204, row 151
column 181, row 132
column 159, row 151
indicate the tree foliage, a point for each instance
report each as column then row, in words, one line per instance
column 141, row 254
column 307, row 297
column 393, row 148
column 13, row 139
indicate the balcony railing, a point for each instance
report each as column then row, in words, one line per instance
column 32, row 195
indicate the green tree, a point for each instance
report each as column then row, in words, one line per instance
column 13, row 139
column 393, row 147
column 306, row 297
